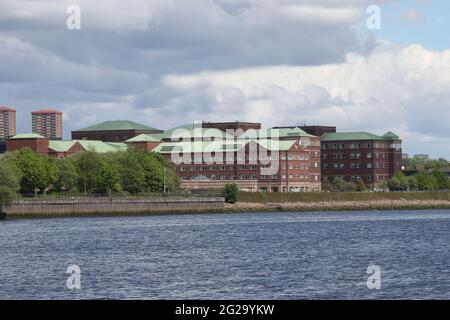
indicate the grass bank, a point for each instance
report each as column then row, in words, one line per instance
column 340, row 196
column 351, row 201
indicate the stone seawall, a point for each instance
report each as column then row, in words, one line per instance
column 112, row 206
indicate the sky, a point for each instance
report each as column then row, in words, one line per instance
column 165, row 63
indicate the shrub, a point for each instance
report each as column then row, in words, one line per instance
column 229, row 192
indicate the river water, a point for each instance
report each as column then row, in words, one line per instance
column 229, row 256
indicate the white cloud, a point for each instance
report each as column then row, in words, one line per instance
column 404, row 89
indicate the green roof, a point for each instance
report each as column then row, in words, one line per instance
column 119, row 146
column 347, row 136
column 221, row 146
column 276, row 145
column 199, row 146
column 100, row 146
column 146, row 138
column 119, row 125
column 61, row 146
column 94, row 145
column 28, row 136
column 391, row 136
column 275, row 133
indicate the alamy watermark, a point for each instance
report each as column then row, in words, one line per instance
column 374, row 17
column 73, row 22
column 74, row 280
column 374, row 278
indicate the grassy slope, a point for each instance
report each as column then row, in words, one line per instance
column 335, row 196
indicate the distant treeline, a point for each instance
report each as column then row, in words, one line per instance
column 132, row 171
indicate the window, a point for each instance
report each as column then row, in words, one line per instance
column 369, row 166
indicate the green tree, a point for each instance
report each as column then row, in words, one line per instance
column 9, row 184
column 158, row 172
column 412, row 183
column 108, row 179
column 398, row 182
column 87, row 164
column 229, row 192
column 426, row 181
column 338, row 184
column 443, row 182
column 39, row 172
column 131, row 172
column 361, row 186
column 67, row 175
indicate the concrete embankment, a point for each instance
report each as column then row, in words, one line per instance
column 338, row 205
column 112, row 206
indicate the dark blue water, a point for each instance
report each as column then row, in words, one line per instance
column 245, row 256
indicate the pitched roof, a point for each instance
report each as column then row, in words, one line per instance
column 276, row 145
column 100, row 146
column 348, row 136
column 146, row 138
column 61, row 146
column 27, row 136
column 119, row 125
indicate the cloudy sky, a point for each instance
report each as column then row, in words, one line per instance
column 282, row 62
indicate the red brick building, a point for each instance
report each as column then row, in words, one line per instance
column 355, row 156
column 7, row 122
column 113, row 131
column 269, row 160
column 47, row 123
column 35, row 142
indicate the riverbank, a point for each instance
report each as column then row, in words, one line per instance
column 248, row 202
column 337, row 206
column 339, row 201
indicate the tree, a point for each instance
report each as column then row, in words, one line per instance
column 7, row 195
column 426, row 181
column 412, row 183
column 338, row 184
column 398, row 182
column 131, row 172
column 87, row 164
column 443, row 182
column 158, row 173
column 108, row 179
column 9, row 184
column 67, row 175
column 38, row 171
column 361, row 186
column 229, row 192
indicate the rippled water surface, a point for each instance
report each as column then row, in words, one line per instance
column 232, row 256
